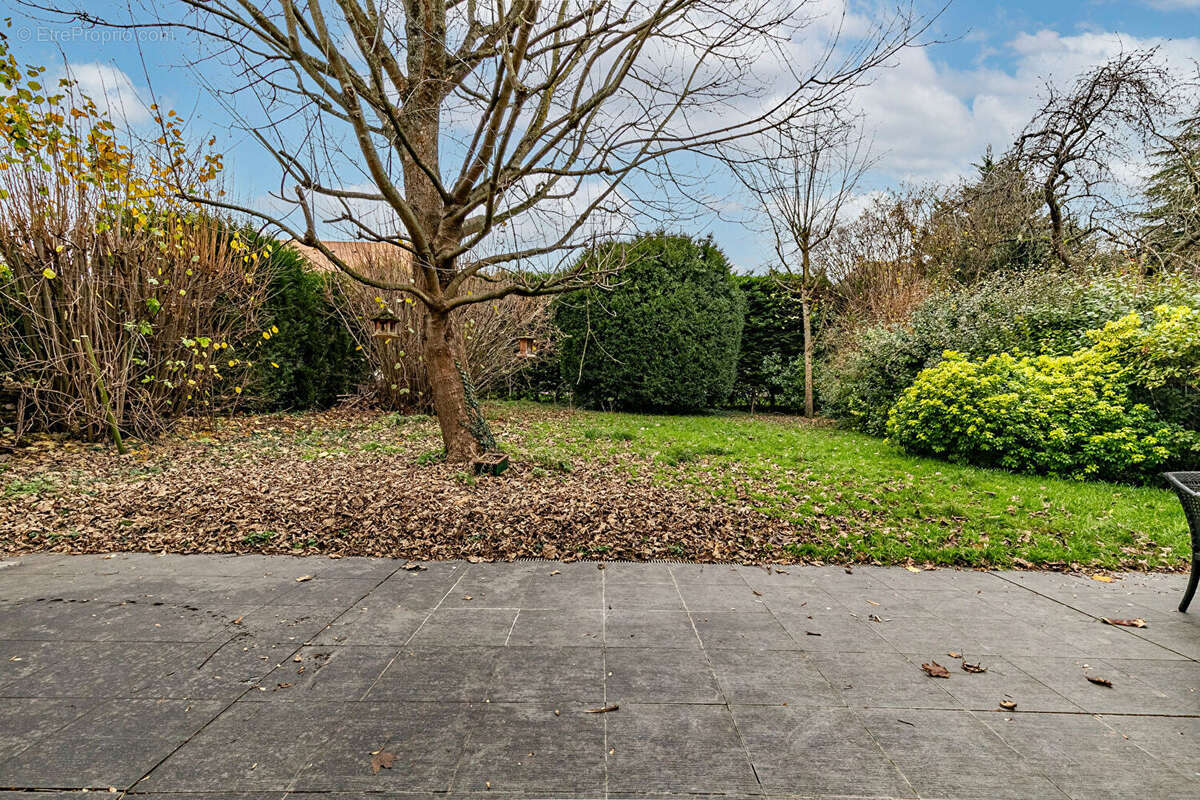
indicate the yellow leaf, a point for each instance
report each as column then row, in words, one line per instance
column 49, row 274
column 1103, row 578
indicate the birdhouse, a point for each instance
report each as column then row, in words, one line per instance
column 386, row 324
column 525, row 347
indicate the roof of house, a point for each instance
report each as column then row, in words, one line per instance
column 376, row 258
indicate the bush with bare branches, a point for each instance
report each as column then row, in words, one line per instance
column 119, row 306
column 398, row 375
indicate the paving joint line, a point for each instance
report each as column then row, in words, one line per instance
column 711, row 671
column 1065, row 604
column 249, row 689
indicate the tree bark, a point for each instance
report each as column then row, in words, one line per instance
column 444, row 357
column 806, row 318
column 806, row 324
column 1056, row 226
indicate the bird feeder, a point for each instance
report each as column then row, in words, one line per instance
column 386, row 324
column 525, row 347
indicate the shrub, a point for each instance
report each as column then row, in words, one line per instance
column 666, row 337
column 309, row 357
column 397, row 375
column 1161, row 359
column 1072, row 416
column 772, row 339
column 99, row 257
column 1022, row 314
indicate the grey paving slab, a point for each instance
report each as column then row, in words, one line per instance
column 660, row 675
column 643, row 629
column 677, row 748
column 571, row 677
column 224, row 677
column 111, row 745
column 954, row 754
column 817, row 751
column 436, row 673
column 1087, row 757
column 527, row 748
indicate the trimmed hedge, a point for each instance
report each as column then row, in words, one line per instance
column 310, row 358
column 665, row 338
column 772, row 341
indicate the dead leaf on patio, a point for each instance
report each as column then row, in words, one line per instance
column 872, row 602
column 555, row 572
column 382, row 760
column 875, row 618
column 811, row 633
column 911, row 568
column 602, row 709
column 1099, row 681
column 1008, row 705
column 1128, row 623
column 466, row 597
column 413, row 566
column 1103, row 578
column 304, row 578
column 935, row 670
column 238, row 621
column 953, row 654
column 756, row 592
column 973, row 668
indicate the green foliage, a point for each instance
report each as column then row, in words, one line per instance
column 1023, row 314
column 1161, row 360
column 1173, row 193
column 310, row 357
column 771, row 339
column 666, row 337
column 1075, row 416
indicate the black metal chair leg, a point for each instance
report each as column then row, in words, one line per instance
column 1191, row 587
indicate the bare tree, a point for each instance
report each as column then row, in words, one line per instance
column 494, row 136
column 802, row 180
column 1073, row 141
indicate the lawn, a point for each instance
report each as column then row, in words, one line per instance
column 721, row 487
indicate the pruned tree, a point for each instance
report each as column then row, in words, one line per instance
column 486, row 138
column 1075, row 138
column 802, row 176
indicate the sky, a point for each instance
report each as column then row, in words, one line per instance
column 931, row 113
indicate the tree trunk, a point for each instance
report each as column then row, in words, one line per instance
column 444, row 357
column 1057, row 241
column 806, row 317
column 806, row 324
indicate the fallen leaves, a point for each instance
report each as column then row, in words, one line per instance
column 304, row 578
column 413, row 566
column 602, row 709
column 1102, row 578
column 382, row 760
column 935, row 670
column 1096, row 679
column 1008, row 705
column 1126, row 623
column 973, row 668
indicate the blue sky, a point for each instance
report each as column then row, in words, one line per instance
column 931, row 114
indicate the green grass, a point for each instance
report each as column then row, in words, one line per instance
column 870, row 500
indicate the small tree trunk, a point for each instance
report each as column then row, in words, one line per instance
column 444, row 355
column 806, row 317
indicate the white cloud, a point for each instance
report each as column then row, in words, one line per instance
column 1173, row 5
column 112, row 90
column 931, row 121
